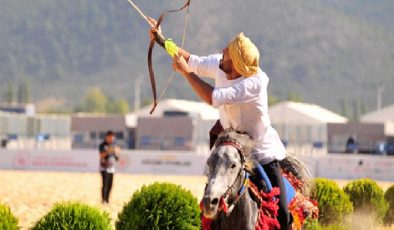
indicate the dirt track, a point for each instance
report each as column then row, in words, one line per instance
column 31, row 194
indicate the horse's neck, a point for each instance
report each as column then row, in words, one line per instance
column 243, row 216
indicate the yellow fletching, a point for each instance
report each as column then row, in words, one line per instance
column 170, row 47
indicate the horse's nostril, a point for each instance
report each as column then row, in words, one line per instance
column 215, row 201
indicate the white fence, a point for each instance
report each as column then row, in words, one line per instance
column 153, row 162
column 339, row 166
column 188, row 163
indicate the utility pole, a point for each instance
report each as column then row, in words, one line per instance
column 137, row 93
column 379, row 97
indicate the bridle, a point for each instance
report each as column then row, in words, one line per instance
column 266, row 203
column 227, row 208
column 237, row 146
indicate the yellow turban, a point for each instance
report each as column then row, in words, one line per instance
column 244, row 55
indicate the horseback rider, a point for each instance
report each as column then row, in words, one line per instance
column 240, row 94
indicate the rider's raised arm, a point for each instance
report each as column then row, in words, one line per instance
column 201, row 88
column 205, row 66
column 247, row 90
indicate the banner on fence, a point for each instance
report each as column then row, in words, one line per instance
column 187, row 163
column 144, row 162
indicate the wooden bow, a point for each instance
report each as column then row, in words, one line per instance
column 150, row 51
column 152, row 44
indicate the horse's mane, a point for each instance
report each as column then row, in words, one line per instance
column 240, row 138
column 292, row 164
column 244, row 140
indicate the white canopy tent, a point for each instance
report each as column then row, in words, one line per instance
column 303, row 127
column 384, row 116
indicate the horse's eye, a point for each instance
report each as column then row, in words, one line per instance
column 233, row 166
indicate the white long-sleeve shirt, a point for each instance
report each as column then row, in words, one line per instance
column 243, row 106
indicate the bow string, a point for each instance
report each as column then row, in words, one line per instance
column 152, row 44
column 150, row 52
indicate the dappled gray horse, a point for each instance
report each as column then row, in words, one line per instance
column 229, row 201
column 225, row 176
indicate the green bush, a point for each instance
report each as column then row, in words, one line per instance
column 7, row 220
column 367, row 197
column 311, row 225
column 160, row 206
column 389, row 197
column 74, row 216
column 314, row 225
column 333, row 227
column 334, row 205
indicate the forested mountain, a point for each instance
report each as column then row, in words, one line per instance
column 331, row 52
column 375, row 12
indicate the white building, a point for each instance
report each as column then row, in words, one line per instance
column 374, row 134
column 383, row 115
column 203, row 110
column 303, row 127
column 88, row 130
column 21, row 131
column 385, row 118
column 156, row 131
column 203, row 117
column 27, row 109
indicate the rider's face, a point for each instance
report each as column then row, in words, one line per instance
column 225, row 62
column 226, row 65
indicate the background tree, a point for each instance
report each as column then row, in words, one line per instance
column 95, row 101
column 356, row 110
column 294, row 97
column 118, row 106
column 326, row 58
column 10, row 93
column 24, row 92
column 272, row 100
column 344, row 105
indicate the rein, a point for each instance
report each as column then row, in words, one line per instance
column 227, row 208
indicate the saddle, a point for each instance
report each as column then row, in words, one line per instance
column 261, row 180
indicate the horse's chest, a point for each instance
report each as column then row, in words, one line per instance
column 243, row 217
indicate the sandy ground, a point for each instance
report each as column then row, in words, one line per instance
column 31, row 194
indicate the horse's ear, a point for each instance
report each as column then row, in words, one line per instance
column 214, row 134
column 223, row 136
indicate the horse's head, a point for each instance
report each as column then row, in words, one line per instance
column 225, row 166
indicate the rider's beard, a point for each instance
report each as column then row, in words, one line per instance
column 224, row 69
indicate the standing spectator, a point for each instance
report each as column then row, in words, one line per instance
column 351, row 145
column 109, row 154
